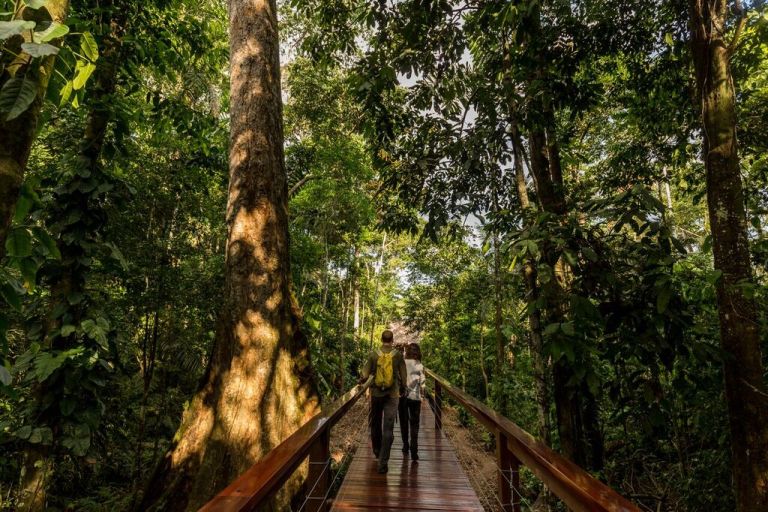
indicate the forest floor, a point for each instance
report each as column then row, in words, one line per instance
column 475, row 456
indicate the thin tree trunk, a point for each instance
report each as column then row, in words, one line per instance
column 258, row 387
column 481, row 321
column 39, row 463
column 745, row 388
column 17, row 135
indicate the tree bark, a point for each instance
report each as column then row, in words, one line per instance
column 17, row 135
column 532, row 291
column 258, row 388
column 745, row 388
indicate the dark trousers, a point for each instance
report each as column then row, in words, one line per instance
column 410, row 416
column 382, row 417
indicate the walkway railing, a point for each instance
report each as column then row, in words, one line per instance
column 579, row 490
column 266, row 477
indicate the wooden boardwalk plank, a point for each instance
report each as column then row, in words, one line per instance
column 435, row 482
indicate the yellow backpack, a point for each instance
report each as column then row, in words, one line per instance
column 384, row 374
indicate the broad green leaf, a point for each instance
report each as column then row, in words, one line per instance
column 67, row 406
column 16, row 96
column 662, row 299
column 5, row 376
column 570, row 258
column 28, row 268
column 42, row 435
column 47, row 363
column 89, row 47
column 23, row 432
column 551, row 329
column 589, row 253
column 42, row 236
column 54, row 31
column 79, row 441
column 67, row 330
column 567, row 328
column 714, row 276
column 23, row 205
column 9, row 29
column 19, row 243
column 83, row 71
column 11, row 296
column 39, row 49
column 35, row 4
column 66, row 92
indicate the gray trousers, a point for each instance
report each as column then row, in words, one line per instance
column 383, row 413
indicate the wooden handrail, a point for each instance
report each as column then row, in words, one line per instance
column 579, row 490
column 264, row 479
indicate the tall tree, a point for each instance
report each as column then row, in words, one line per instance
column 739, row 335
column 258, row 387
column 28, row 77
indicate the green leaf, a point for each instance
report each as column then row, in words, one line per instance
column 79, row 441
column 67, row 406
column 89, row 47
column 16, row 96
column 589, row 253
column 662, row 299
column 19, row 243
column 67, row 330
column 9, row 29
column 42, row 435
column 28, row 267
column 65, row 93
column 551, row 329
column 23, row 432
column 45, row 239
column 35, row 4
column 54, row 31
column 83, row 71
column 47, row 363
column 570, row 258
column 668, row 39
column 714, row 276
column 11, row 296
column 23, row 205
column 39, row 49
column 568, row 328
column 5, row 376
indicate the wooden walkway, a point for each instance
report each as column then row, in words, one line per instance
column 435, row 482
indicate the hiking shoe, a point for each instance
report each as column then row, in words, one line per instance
column 375, row 454
column 414, row 456
column 383, row 469
column 406, row 448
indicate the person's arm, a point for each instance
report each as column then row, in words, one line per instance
column 367, row 370
column 403, row 376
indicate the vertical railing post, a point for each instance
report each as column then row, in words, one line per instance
column 508, row 475
column 438, row 406
column 318, row 478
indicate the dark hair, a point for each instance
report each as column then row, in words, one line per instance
column 387, row 336
column 413, row 351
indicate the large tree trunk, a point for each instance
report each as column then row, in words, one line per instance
column 258, row 388
column 745, row 387
column 17, row 135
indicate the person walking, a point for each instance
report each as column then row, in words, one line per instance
column 410, row 404
column 388, row 368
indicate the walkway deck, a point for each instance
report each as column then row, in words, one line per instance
column 435, row 482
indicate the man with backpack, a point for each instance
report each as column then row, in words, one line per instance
column 388, row 368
